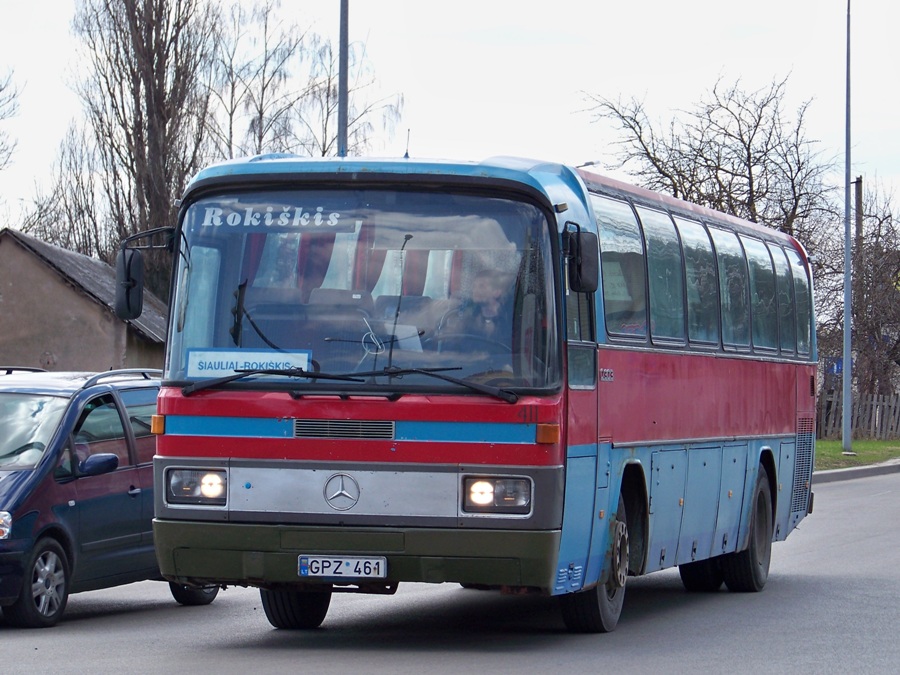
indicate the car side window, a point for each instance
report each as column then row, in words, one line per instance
column 140, row 406
column 100, row 430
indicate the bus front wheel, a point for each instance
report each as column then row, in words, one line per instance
column 295, row 610
column 747, row 571
column 597, row 609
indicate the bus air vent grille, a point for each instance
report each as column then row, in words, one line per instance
column 803, row 464
column 374, row 429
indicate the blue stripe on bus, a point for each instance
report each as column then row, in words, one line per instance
column 255, row 427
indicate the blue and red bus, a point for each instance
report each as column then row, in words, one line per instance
column 509, row 375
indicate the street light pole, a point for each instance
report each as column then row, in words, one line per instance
column 847, row 394
column 342, row 82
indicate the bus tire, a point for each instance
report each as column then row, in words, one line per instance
column 193, row 596
column 747, row 571
column 702, row 576
column 296, row 610
column 597, row 609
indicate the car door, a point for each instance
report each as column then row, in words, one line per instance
column 140, row 406
column 111, row 522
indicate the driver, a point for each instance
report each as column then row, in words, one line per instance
column 485, row 313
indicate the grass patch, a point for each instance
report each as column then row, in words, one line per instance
column 829, row 454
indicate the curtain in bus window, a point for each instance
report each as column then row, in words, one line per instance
column 665, row 276
column 784, row 283
column 734, row 292
column 369, row 260
column 622, row 267
column 804, row 303
column 701, row 285
column 762, row 294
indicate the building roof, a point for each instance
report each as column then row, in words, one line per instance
column 95, row 279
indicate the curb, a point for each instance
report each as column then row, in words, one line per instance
column 856, row 472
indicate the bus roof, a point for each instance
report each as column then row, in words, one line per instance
column 544, row 177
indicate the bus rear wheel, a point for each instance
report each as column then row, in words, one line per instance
column 597, row 609
column 296, row 610
column 702, row 576
column 747, row 571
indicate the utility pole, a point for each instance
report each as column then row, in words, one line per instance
column 847, row 365
column 342, row 81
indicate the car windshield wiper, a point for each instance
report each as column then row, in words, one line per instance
column 189, row 389
column 496, row 392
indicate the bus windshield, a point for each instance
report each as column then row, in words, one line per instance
column 392, row 289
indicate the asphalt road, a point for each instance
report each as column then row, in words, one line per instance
column 832, row 605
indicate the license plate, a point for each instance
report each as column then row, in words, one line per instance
column 342, row 566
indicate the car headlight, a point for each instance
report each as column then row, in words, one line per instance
column 206, row 487
column 5, row 524
column 497, row 494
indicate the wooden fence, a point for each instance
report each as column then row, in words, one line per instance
column 873, row 417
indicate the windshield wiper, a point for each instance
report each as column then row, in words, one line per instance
column 189, row 389
column 496, row 392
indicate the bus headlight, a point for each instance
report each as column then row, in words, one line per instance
column 487, row 494
column 206, row 487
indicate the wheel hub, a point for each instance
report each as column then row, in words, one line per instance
column 620, row 555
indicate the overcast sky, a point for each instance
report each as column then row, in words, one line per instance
column 504, row 77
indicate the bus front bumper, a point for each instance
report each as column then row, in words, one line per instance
column 268, row 555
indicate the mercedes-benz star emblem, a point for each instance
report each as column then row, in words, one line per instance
column 341, row 492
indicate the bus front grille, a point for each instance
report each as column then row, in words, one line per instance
column 372, row 429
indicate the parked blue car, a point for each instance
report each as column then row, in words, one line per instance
column 76, row 489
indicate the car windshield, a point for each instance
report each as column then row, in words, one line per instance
column 365, row 290
column 27, row 424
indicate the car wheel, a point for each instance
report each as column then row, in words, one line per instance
column 193, row 595
column 45, row 588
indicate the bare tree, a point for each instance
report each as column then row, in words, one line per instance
column 254, row 90
column 876, row 297
column 67, row 215
column 741, row 153
column 276, row 90
column 316, row 117
column 737, row 152
column 229, row 86
column 269, row 98
column 146, row 104
column 9, row 106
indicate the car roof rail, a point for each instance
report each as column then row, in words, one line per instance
column 145, row 373
column 9, row 370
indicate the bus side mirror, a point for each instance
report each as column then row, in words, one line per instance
column 584, row 263
column 129, row 284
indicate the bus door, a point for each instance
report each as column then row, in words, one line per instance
column 582, row 552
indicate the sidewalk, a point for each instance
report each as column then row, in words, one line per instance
column 892, row 466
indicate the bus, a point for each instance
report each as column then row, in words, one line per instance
column 510, row 375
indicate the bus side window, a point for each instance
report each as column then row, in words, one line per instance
column 700, row 281
column 666, row 276
column 762, row 295
column 787, row 326
column 733, row 289
column 623, row 269
column 803, row 297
